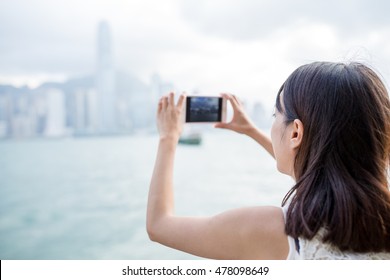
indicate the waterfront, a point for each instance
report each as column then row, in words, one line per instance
column 85, row 198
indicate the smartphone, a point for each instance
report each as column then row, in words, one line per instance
column 205, row 109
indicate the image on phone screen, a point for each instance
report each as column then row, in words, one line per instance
column 203, row 109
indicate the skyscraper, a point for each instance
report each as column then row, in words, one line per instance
column 55, row 126
column 105, row 81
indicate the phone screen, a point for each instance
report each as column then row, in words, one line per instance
column 203, row 109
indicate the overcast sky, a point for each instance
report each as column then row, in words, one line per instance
column 247, row 47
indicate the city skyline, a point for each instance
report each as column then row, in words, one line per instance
column 106, row 102
column 246, row 47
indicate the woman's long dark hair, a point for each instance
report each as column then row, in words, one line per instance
column 342, row 165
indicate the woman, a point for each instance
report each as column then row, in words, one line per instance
column 331, row 133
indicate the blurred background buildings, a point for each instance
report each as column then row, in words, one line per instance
column 107, row 102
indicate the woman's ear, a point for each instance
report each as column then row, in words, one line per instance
column 296, row 134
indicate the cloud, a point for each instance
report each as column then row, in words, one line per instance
column 247, row 47
column 44, row 36
column 254, row 19
column 60, row 36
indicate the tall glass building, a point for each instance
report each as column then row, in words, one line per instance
column 105, row 83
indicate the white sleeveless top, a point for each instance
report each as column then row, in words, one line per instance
column 315, row 249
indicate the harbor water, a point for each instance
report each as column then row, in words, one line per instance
column 85, row 198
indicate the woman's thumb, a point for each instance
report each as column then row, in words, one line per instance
column 221, row 125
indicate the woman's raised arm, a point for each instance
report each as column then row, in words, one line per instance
column 246, row 233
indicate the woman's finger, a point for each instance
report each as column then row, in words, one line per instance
column 160, row 105
column 221, row 125
column 181, row 100
column 237, row 100
column 171, row 99
column 233, row 101
column 164, row 102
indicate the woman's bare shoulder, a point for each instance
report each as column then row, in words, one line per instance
column 261, row 229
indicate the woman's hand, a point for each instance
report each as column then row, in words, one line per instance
column 169, row 117
column 241, row 122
